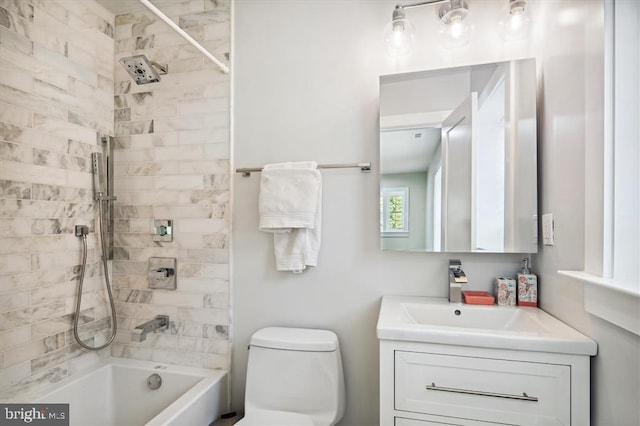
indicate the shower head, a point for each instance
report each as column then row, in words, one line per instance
column 141, row 69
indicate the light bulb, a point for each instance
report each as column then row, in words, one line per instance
column 454, row 31
column 399, row 34
column 514, row 21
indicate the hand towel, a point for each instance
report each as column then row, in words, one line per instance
column 289, row 195
column 290, row 206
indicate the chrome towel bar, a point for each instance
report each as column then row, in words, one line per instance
column 364, row 167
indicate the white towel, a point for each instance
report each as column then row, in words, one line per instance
column 290, row 206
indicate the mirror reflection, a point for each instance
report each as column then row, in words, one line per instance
column 458, row 159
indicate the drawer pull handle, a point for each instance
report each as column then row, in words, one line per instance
column 523, row 397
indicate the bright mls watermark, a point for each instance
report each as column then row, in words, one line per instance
column 34, row 414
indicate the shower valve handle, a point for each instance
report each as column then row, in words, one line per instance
column 167, row 272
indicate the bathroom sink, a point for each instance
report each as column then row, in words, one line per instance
column 432, row 320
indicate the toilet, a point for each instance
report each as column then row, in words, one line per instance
column 294, row 378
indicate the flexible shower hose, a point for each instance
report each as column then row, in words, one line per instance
column 76, row 317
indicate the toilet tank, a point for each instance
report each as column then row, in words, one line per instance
column 296, row 370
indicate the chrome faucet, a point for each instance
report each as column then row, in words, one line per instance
column 456, row 279
column 160, row 322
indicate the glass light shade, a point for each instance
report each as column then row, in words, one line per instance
column 514, row 22
column 454, row 33
column 399, row 36
column 454, row 29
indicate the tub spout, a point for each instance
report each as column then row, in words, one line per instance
column 160, row 322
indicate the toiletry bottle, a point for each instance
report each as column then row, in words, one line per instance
column 505, row 291
column 527, row 286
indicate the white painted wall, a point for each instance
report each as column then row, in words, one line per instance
column 571, row 172
column 306, row 87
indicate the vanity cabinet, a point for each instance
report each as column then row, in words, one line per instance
column 424, row 384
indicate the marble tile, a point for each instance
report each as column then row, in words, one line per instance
column 216, row 241
column 216, row 151
column 26, row 316
column 217, row 196
column 80, row 149
column 216, row 361
column 14, row 41
column 216, row 181
column 14, row 263
column 15, row 115
column 220, row 273
column 209, row 316
column 133, row 211
column 16, row 152
column 64, row 128
column 151, row 168
column 26, row 280
column 179, row 153
column 213, row 16
column 135, row 296
column 217, row 4
column 50, row 33
column 61, row 193
column 55, row 358
column 215, row 331
column 190, row 113
column 192, row 359
column 33, row 384
column 216, row 300
column 123, row 114
column 52, row 9
column 16, row 78
column 186, row 328
column 59, row 292
column 131, row 268
column 123, row 31
column 31, row 173
column 14, row 374
column 134, row 127
column 53, row 326
column 57, row 93
column 14, row 21
column 32, row 350
column 14, row 301
column 149, row 27
column 15, row 227
column 201, row 345
column 180, row 299
column 12, row 189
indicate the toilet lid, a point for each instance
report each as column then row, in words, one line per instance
column 274, row 418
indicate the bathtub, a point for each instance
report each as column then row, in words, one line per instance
column 116, row 394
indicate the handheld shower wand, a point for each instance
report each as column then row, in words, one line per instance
column 100, row 196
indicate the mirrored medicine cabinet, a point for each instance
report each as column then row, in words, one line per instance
column 458, row 169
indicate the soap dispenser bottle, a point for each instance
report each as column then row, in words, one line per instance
column 527, row 286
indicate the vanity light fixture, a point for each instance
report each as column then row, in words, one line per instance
column 453, row 31
column 514, row 21
column 399, row 34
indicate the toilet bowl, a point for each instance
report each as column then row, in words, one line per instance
column 294, row 378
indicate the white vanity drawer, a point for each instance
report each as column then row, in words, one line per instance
column 427, row 420
column 512, row 392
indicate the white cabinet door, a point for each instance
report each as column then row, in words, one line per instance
column 513, row 392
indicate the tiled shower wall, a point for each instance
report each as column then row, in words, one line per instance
column 172, row 162
column 56, row 94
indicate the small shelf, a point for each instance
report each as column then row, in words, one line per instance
column 611, row 300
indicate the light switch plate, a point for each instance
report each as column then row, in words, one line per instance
column 547, row 229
